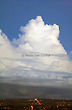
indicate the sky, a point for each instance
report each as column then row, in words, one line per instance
column 36, row 42
column 13, row 14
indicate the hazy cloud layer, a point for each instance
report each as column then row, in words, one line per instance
column 37, row 54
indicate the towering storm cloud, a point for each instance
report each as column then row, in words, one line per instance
column 43, row 38
column 36, row 54
column 39, row 37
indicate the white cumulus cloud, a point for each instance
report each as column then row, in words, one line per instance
column 39, row 37
column 36, row 39
column 7, row 53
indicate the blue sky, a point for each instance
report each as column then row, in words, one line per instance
column 14, row 13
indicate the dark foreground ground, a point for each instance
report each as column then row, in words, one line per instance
column 35, row 104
